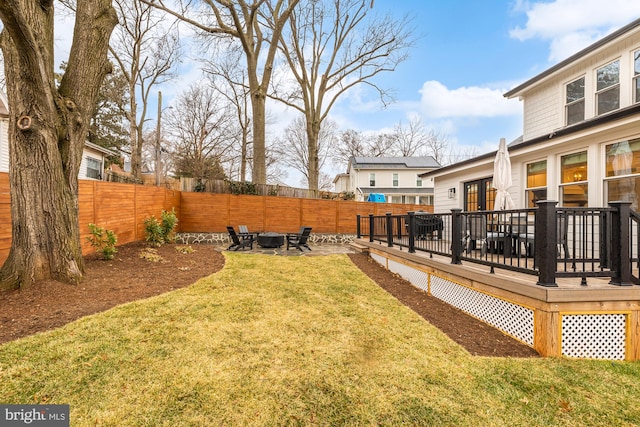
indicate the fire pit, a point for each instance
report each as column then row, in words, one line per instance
column 270, row 240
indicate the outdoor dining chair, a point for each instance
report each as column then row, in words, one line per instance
column 236, row 242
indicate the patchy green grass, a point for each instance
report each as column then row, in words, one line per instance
column 297, row 341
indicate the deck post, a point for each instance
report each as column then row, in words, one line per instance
column 620, row 258
column 389, row 230
column 371, row 227
column 546, row 237
column 456, row 235
column 358, row 234
column 411, row 231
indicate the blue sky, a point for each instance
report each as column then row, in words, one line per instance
column 468, row 53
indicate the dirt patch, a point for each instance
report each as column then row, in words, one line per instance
column 129, row 277
column 477, row 337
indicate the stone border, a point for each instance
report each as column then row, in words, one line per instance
column 223, row 238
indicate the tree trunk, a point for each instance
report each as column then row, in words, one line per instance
column 136, row 144
column 47, row 131
column 313, row 134
column 259, row 172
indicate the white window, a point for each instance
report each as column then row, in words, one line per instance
column 419, row 181
column 574, row 101
column 574, row 181
column 636, row 76
column 372, row 179
column 426, row 200
column 623, row 172
column 395, row 179
column 536, row 183
column 608, row 88
column 94, row 167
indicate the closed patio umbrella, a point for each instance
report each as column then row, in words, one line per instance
column 502, row 178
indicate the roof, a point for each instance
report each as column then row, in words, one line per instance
column 518, row 143
column 103, row 150
column 422, row 162
column 635, row 25
column 340, row 176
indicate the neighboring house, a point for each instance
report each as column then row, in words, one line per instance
column 341, row 183
column 398, row 178
column 93, row 156
column 581, row 137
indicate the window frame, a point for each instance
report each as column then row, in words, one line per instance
column 578, row 182
column 395, row 179
column 372, row 179
column 626, row 181
column 533, row 192
column 635, row 79
column 573, row 103
column 606, row 90
column 418, row 181
column 93, row 172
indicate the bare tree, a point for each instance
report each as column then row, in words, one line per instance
column 293, row 149
column 229, row 78
column 244, row 22
column 200, row 133
column 146, row 51
column 352, row 143
column 48, row 126
column 410, row 139
column 332, row 46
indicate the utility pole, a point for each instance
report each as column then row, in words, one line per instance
column 158, row 163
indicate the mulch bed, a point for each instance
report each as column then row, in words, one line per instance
column 128, row 277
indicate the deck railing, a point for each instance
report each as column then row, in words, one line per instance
column 548, row 241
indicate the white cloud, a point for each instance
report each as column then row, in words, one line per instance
column 571, row 25
column 439, row 102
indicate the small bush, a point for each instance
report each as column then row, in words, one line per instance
column 153, row 231
column 151, row 255
column 185, row 249
column 103, row 241
column 169, row 222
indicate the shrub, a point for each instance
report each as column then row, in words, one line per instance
column 169, row 222
column 153, row 231
column 103, row 241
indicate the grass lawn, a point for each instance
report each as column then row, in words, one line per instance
column 297, row 341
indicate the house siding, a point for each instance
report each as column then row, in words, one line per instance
column 407, row 187
column 4, row 146
column 544, row 103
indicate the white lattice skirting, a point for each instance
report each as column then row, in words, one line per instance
column 588, row 335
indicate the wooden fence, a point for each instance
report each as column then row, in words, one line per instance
column 124, row 207
column 118, row 207
column 205, row 212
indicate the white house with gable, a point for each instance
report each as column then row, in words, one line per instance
column 581, row 135
column 398, row 178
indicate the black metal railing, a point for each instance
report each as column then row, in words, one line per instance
column 634, row 247
column 547, row 241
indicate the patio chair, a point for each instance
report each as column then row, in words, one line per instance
column 238, row 243
column 243, row 232
column 520, row 231
column 528, row 238
column 477, row 232
column 299, row 240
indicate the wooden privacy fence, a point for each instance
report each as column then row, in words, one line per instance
column 124, row 207
column 118, row 207
column 204, row 212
